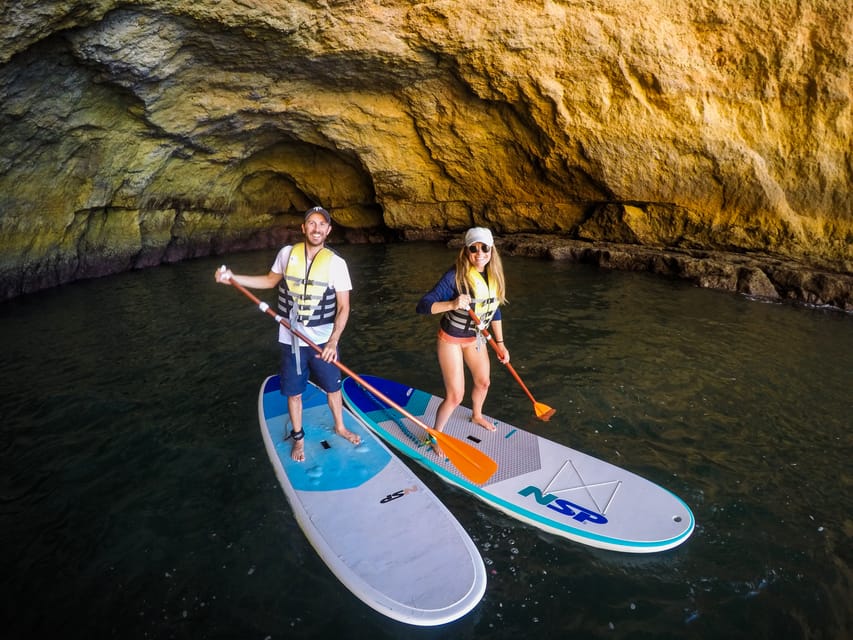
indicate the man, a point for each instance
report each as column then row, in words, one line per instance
column 313, row 294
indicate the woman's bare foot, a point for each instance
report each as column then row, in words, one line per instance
column 480, row 420
column 348, row 435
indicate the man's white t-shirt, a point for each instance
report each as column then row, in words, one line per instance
column 339, row 280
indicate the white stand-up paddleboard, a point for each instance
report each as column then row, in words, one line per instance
column 538, row 481
column 379, row 529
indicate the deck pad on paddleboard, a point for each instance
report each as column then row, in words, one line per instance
column 546, row 484
column 380, row 530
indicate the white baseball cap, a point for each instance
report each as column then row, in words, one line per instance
column 479, row 234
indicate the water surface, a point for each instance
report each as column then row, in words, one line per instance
column 138, row 501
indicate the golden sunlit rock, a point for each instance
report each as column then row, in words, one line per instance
column 138, row 133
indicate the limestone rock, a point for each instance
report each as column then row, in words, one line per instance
column 756, row 275
column 143, row 132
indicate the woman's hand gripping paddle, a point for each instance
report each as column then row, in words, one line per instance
column 471, row 462
column 543, row 411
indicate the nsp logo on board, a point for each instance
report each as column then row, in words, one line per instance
column 564, row 507
column 398, row 494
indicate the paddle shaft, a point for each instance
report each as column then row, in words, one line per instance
column 500, row 351
column 482, row 466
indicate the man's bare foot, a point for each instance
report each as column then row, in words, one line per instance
column 480, row 420
column 434, row 444
column 347, row 434
column 297, row 451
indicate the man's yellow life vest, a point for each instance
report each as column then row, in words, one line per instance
column 304, row 294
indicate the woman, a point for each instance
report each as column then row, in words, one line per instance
column 475, row 281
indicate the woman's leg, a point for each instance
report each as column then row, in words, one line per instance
column 453, row 372
column 477, row 359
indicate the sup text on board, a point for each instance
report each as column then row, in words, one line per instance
column 398, row 494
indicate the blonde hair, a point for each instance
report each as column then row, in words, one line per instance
column 494, row 273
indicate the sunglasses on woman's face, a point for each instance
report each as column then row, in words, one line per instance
column 474, row 248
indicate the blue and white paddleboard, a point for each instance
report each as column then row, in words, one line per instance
column 379, row 529
column 538, row 481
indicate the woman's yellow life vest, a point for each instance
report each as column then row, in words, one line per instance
column 484, row 301
column 304, row 294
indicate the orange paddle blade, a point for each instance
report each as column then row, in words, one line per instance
column 471, row 462
column 543, row 411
